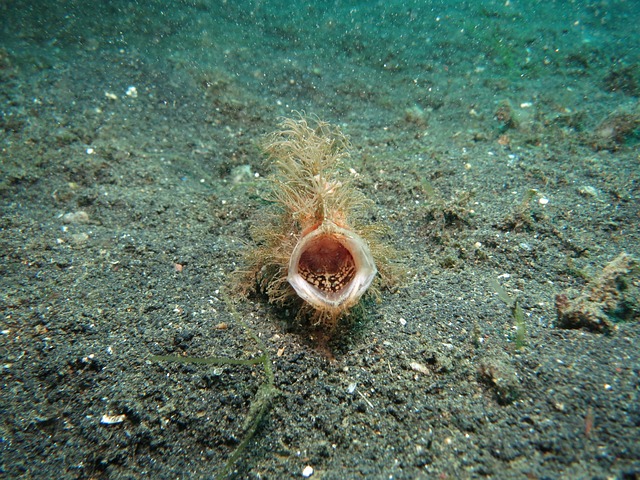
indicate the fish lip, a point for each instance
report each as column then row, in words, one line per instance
column 365, row 270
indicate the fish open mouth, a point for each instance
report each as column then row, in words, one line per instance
column 331, row 268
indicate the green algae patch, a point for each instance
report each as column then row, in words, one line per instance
column 262, row 399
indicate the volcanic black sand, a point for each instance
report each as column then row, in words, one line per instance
column 499, row 144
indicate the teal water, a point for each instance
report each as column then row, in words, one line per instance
column 343, row 59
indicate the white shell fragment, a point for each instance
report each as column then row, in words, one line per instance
column 308, row 471
column 112, row 419
column 420, row 368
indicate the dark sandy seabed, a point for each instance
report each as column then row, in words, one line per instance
column 498, row 141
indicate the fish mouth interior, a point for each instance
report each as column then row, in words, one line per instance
column 327, row 264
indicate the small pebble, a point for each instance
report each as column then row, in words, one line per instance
column 76, row 217
column 79, row 238
column 307, row 472
column 588, row 191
